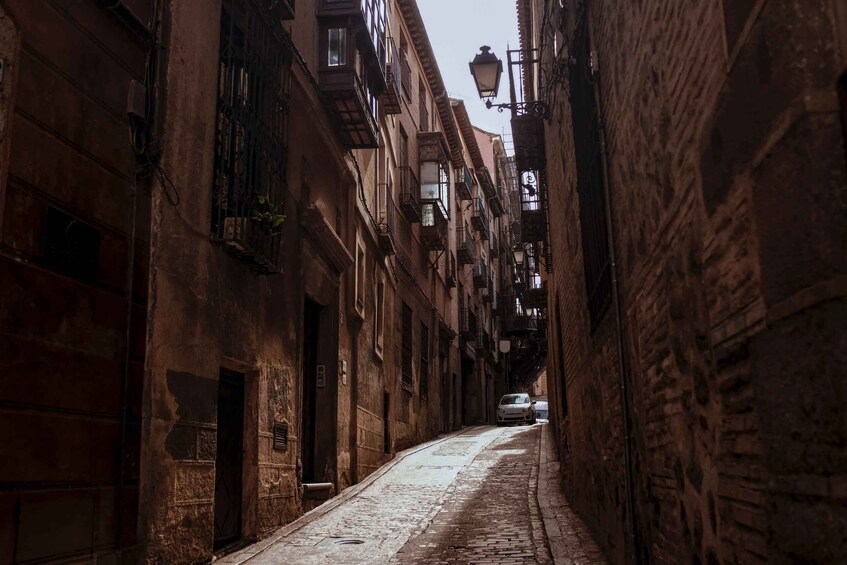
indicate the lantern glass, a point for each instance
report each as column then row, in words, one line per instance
column 519, row 255
column 486, row 70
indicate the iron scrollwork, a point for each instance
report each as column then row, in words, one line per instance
column 536, row 108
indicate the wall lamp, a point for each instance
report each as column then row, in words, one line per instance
column 486, row 70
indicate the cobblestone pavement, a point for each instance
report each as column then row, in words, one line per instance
column 469, row 498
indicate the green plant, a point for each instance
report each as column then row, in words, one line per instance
column 266, row 216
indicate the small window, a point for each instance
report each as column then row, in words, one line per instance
column 360, row 277
column 71, row 246
column 336, row 47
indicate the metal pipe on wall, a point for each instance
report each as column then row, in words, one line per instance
column 623, row 373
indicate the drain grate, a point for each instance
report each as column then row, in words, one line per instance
column 334, row 541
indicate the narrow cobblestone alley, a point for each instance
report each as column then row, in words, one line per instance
column 471, row 497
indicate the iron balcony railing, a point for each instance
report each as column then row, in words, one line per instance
column 451, row 278
column 467, row 324
column 496, row 203
column 410, row 193
column 391, row 97
column 480, row 218
column 480, row 275
column 406, row 75
column 434, row 225
column 423, row 125
column 464, row 247
column 387, row 223
column 464, row 183
column 485, row 182
column 536, row 296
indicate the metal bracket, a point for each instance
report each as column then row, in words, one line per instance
column 434, row 263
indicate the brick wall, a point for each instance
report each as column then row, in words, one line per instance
column 727, row 174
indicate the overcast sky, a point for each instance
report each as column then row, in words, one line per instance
column 457, row 28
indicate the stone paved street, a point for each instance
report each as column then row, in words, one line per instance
column 471, row 497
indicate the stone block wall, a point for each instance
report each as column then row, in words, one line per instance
column 727, row 174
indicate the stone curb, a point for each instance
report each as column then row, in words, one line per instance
column 551, row 528
column 248, row 553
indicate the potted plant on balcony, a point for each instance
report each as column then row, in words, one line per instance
column 266, row 216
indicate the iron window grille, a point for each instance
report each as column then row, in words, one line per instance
column 251, row 157
column 406, row 339
column 424, row 368
column 592, row 204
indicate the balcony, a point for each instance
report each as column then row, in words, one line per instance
column 485, row 182
column 533, row 225
column 464, row 247
column 464, row 183
column 480, row 275
column 451, row 277
column 410, row 191
column 528, row 137
column 480, row 219
column 390, row 98
column 367, row 20
column 495, row 204
column 387, row 226
column 495, row 246
column 519, row 324
column 484, row 347
column 535, row 297
column 432, row 145
column 406, row 76
column 487, row 295
column 467, row 324
column 350, row 103
column 434, row 226
column 496, row 303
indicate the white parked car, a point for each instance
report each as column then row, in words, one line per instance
column 542, row 410
column 514, row 408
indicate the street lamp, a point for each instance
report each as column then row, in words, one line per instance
column 486, row 69
column 519, row 252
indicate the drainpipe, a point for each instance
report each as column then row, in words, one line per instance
column 144, row 126
column 623, row 373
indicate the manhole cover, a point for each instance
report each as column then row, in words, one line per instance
column 349, row 542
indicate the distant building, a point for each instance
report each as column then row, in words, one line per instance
column 248, row 252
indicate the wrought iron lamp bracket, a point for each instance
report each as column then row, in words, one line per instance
column 537, row 108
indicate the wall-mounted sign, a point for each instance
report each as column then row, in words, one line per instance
column 321, row 377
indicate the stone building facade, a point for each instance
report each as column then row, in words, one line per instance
column 697, row 176
column 229, row 243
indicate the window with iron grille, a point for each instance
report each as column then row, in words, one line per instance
column 424, row 368
column 248, row 194
column 423, row 121
column 406, row 339
column 589, row 168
